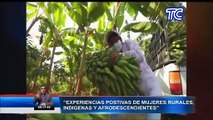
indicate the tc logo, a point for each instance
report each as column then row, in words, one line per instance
column 175, row 13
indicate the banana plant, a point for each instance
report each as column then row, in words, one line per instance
column 56, row 19
column 32, row 56
column 53, row 18
column 83, row 14
column 33, row 13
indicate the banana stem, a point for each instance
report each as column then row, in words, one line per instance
column 80, row 73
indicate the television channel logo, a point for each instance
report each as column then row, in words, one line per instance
column 175, row 13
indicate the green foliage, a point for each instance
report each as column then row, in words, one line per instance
column 145, row 27
column 32, row 11
column 95, row 10
column 177, row 41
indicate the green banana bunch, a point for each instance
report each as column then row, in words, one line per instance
column 120, row 79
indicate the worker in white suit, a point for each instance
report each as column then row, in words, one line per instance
column 150, row 85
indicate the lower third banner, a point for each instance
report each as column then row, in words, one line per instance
column 99, row 105
column 119, row 105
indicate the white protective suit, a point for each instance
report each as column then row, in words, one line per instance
column 149, row 82
column 150, row 85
